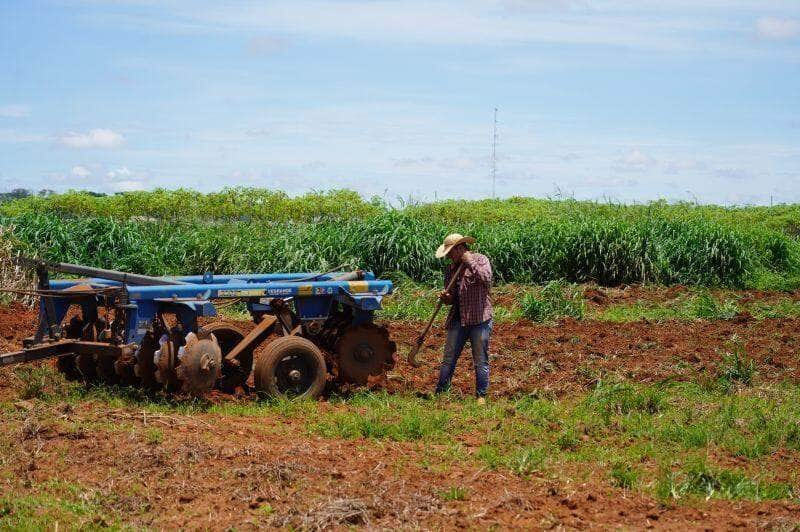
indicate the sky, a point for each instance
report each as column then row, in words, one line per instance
column 616, row 100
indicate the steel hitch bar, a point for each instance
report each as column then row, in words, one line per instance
column 64, row 347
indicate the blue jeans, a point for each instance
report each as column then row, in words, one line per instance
column 457, row 336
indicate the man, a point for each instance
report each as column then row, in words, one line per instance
column 470, row 316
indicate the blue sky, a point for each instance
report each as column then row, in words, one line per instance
column 620, row 100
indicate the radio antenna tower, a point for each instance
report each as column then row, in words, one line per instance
column 494, row 155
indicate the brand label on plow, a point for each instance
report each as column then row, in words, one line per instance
column 304, row 290
column 357, row 287
column 251, row 292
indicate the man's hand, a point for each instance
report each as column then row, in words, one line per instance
column 445, row 296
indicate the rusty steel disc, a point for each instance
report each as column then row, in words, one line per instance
column 199, row 364
column 166, row 359
column 364, row 351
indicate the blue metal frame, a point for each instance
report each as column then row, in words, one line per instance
column 313, row 300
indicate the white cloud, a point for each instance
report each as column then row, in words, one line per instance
column 417, row 163
column 102, row 178
column 80, row 171
column 676, row 166
column 119, row 172
column 123, row 179
column 14, row 111
column 96, row 138
column 634, row 160
column 778, row 28
column 658, row 25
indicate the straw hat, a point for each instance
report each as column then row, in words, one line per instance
column 451, row 241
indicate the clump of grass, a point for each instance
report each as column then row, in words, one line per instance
column 568, row 440
column 57, row 501
column 624, row 476
column 154, row 436
column 266, row 509
column 42, row 382
column 490, row 456
column 384, row 418
column 410, row 301
column 527, row 460
column 708, row 308
column 737, row 367
column 454, row 493
column 700, row 479
column 623, row 398
column 557, row 299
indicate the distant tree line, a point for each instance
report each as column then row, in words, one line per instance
column 20, row 193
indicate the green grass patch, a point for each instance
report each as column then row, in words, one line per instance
column 557, row 299
column 706, row 307
column 697, row 304
column 454, row 493
column 42, row 382
column 70, row 505
column 623, row 475
column 699, row 479
column 737, row 367
column 384, row 417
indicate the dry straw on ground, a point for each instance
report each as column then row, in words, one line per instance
column 13, row 276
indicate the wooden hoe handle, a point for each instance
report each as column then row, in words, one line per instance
column 412, row 355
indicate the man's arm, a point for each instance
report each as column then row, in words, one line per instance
column 479, row 266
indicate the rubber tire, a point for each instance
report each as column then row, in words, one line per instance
column 278, row 349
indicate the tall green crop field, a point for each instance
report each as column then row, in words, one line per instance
column 528, row 240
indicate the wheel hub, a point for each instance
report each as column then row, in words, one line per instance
column 363, row 353
column 293, row 375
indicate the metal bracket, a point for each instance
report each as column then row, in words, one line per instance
column 254, row 336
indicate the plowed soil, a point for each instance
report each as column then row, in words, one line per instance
column 571, row 355
column 216, row 472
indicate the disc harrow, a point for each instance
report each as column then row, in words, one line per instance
column 124, row 329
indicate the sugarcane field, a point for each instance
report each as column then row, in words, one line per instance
column 399, row 265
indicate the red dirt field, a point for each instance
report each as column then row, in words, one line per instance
column 216, row 472
column 558, row 359
column 562, row 358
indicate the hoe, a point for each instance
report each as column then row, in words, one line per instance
column 159, row 333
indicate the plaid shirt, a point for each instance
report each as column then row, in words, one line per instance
column 471, row 301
